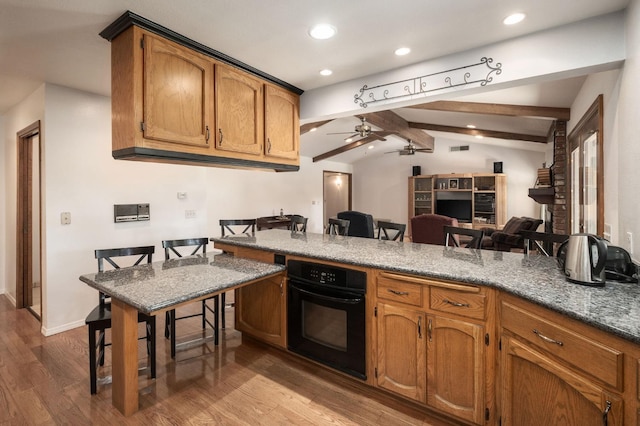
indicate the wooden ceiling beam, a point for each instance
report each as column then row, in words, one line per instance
column 497, row 109
column 378, row 136
column 393, row 123
column 479, row 132
column 309, row 126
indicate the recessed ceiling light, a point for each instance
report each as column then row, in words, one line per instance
column 326, row 72
column 371, row 147
column 323, row 31
column 471, row 126
column 313, row 129
column 402, row 51
column 479, row 137
column 513, row 18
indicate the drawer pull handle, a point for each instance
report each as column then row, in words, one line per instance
column 547, row 339
column 459, row 305
column 605, row 414
column 399, row 293
column 419, row 327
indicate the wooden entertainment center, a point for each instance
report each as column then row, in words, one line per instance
column 477, row 200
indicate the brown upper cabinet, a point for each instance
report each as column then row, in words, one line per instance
column 177, row 101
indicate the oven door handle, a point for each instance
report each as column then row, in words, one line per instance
column 327, row 298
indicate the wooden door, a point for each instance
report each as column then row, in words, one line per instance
column 536, row 390
column 402, row 351
column 178, row 94
column 282, row 123
column 455, row 367
column 260, row 310
column 239, row 111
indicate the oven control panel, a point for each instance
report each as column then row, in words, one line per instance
column 327, row 275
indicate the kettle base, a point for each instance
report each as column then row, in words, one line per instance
column 588, row 284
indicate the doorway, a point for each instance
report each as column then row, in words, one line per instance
column 336, row 194
column 28, row 229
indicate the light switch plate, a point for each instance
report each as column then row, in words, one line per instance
column 65, row 218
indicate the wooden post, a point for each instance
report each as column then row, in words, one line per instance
column 124, row 349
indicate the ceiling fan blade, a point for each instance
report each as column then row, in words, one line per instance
column 341, row 133
column 406, row 153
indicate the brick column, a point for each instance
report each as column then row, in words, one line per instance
column 559, row 172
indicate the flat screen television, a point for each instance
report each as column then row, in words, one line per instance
column 460, row 209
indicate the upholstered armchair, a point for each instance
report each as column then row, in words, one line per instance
column 429, row 228
column 360, row 224
column 509, row 237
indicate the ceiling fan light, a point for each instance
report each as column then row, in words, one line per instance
column 322, row 31
column 514, row 18
column 347, row 140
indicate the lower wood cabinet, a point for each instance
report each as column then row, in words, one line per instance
column 537, row 390
column 402, row 356
column 455, row 367
column 432, row 344
column 261, row 311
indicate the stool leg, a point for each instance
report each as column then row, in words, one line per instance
column 93, row 374
column 151, row 345
column 167, row 321
column 216, row 321
column 223, row 304
column 173, row 334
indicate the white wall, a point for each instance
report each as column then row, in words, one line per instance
column 380, row 185
column 628, row 131
column 81, row 177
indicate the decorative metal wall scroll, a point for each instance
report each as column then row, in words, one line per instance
column 456, row 77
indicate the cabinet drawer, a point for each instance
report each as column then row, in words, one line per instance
column 398, row 288
column 470, row 305
column 600, row 361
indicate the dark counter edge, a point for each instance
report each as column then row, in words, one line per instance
column 164, row 306
column 497, row 285
column 137, row 153
column 129, row 18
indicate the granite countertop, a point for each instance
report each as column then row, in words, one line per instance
column 614, row 308
column 160, row 285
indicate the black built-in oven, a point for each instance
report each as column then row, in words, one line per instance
column 326, row 315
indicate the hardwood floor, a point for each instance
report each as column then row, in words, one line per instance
column 45, row 380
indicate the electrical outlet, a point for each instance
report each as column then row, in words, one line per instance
column 630, row 242
column 65, row 218
column 189, row 214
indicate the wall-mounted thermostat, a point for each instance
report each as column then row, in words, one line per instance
column 130, row 212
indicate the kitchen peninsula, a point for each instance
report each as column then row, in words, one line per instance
column 154, row 288
column 482, row 331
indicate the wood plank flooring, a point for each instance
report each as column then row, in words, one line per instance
column 45, row 380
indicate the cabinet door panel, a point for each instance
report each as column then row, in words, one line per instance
column 260, row 311
column 239, row 111
column 401, row 351
column 537, row 390
column 282, row 123
column 177, row 93
column 455, row 367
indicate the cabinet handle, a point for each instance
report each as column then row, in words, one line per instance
column 268, row 145
column 429, row 329
column 221, row 136
column 207, row 134
column 398, row 293
column 605, row 414
column 547, row 339
column 419, row 327
column 459, row 305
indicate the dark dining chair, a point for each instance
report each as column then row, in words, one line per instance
column 338, row 227
column 360, row 224
column 429, row 228
column 391, row 231
column 543, row 242
column 298, row 223
column 233, row 227
column 452, row 234
column 177, row 249
column 99, row 319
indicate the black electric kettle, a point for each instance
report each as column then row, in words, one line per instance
column 583, row 258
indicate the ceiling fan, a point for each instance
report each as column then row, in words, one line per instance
column 410, row 149
column 362, row 130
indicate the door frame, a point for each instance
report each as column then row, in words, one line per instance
column 24, row 213
column 592, row 121
column 326, row 189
